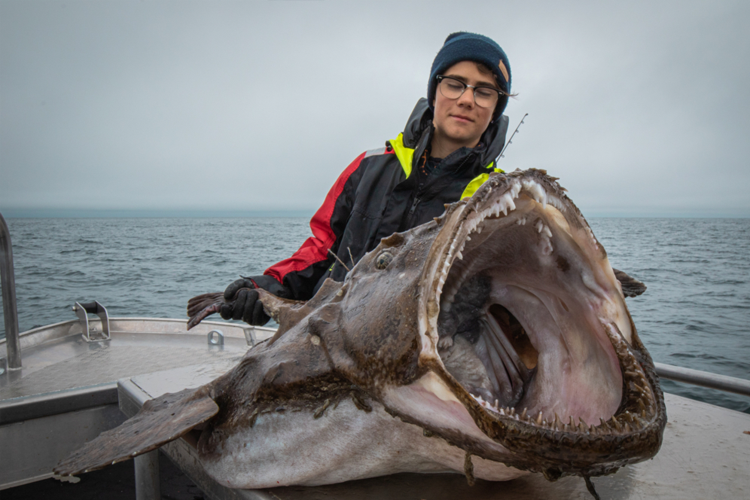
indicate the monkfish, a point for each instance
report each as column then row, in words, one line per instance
column 493, row 341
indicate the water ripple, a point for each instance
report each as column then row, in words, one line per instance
column 695, row 313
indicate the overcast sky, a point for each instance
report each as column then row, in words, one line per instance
column 640, row 108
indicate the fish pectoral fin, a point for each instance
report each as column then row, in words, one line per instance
column 160, row 421
column 631, row 287
column 202, row 306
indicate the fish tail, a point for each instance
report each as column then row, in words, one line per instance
column 204, row 305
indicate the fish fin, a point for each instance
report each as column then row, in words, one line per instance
column 204, row 305
column 631, row 287
column 160, row 421
column 285, row 312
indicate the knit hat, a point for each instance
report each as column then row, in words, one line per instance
column 464, row 46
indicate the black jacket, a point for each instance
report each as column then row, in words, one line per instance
column 378, row 194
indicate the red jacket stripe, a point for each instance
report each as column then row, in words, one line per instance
column 315, row 249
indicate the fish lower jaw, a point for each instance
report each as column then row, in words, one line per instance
column 637, row 414
column 622, row 424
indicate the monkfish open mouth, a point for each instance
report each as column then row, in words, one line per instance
column 525, row 313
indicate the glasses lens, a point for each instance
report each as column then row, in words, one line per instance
column 450, row 88
column 485, row 97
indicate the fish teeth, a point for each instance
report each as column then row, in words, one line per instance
column 616, row 424
column 555, row 202
column 582, row 427
column 536, row 191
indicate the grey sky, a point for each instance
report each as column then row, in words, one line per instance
column 641, row 108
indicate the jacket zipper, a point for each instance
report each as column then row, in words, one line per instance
column 413, row 206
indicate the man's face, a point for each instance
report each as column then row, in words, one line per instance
column 460, row 121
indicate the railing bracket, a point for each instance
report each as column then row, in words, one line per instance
column 89, row 333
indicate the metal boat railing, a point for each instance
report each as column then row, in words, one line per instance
column 10, row 309
column 704, row 379
column 13, row 345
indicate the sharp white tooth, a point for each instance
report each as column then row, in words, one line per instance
column 542, row 196
column 547, row 232
column 459, row 255
column 539, row 226
column 536, row 191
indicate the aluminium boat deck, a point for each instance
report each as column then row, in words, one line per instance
column 70, row 390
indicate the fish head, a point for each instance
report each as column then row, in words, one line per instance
column 501, row 328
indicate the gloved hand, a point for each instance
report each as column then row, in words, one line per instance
column 246, row 305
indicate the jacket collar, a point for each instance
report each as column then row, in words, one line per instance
column 419, row 130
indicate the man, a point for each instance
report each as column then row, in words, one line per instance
column 446, row 151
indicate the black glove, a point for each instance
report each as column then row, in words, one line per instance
column 244, row 295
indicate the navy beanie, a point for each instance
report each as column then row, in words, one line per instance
column 464, row 46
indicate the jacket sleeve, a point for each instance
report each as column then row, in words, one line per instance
column 301, row 272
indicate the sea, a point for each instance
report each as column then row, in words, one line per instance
column 695, row 312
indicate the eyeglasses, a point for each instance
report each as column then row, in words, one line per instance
column 484, row 97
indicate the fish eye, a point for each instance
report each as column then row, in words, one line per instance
column 383, row 260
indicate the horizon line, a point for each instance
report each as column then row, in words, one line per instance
column 87, row 213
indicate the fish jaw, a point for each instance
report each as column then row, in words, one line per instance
column 590, row 401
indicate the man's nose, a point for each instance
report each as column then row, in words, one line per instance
column 467, row 98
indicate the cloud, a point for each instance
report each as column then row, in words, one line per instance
column 639, row 108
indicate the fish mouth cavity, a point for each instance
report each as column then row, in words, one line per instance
column 522, row 316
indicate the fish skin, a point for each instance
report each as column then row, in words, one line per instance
column 352, row 384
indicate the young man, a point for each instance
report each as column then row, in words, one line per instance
column 447, row 150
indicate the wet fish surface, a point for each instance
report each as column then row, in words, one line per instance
column 494, row 341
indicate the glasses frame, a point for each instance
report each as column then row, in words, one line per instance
column 500, row 93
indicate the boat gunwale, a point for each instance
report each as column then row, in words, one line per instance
column 40, row 335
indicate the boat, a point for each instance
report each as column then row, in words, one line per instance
column 63, row 384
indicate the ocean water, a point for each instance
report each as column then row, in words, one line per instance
column 695, row 313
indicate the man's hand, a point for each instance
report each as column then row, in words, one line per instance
column 246, row 305
column 244, row 296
